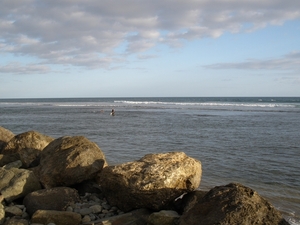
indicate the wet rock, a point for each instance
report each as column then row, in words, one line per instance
column 5, row 136
column 56, row 217
column 231, row 204
column 152, row 182
column 16, row 183
column 28, row 146
column 70, row 160
column 58, row 198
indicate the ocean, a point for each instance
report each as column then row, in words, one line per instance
column 254, row 141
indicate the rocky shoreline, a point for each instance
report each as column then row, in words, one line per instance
column 67, row 181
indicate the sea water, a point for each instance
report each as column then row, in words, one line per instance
column 253, row 141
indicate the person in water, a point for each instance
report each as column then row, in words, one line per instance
column 112, row 112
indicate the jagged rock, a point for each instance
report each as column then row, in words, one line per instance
column 5, row 136
column 231, row 204
column 70, row 160
column 28, row 146
column 152, row 182
column 135, row 217
column 163, row 217
column 58, row 198
column 16, row 183
column 56, row 217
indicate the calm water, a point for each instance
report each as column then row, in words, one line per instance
column 254, row 141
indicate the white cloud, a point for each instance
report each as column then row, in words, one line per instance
column 86, row 33
column 17, row 68
column 289, row 62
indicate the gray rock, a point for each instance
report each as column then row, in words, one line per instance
column 58, row 198
column 28, row 145
column 16, row 183
column 231, row 204
column 153, row 182
column 70, row 160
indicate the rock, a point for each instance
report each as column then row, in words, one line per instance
column 163, row 217
column 2, row 213
column 16, row 183
column 135, row 217
column 56, row 217
column 185, row 201
column 13, row 211
column 152, row 182
column 231, row 204
column 58, row 198
column 29, row 146
column 16, row 221
column 16, row 164
column 70, row 160
column 5, row 136
column 6, row 159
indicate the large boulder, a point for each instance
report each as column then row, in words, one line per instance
column 231, row 204
column 152, row 182
column 58, row 198
column 28, row 146
column 5, row 136
column 17, row 183
column 70, row 160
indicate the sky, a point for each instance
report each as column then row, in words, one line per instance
column 149, row 48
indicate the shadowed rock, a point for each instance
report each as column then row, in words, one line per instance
column 50, row 199
column 231, row 204
column 70, row 160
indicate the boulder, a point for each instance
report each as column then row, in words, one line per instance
column 28, row 146
column 231, row 204
column 152, row 182
column 56, row 217
column 58, row 198
column 17, row 183
column 5, row 136
column 70, row 160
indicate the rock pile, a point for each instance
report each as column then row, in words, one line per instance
column 67, row 181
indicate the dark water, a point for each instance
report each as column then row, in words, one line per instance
column 254, row 141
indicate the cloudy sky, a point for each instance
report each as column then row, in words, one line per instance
column 149, row 48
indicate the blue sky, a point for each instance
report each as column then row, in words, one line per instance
column 149, row 48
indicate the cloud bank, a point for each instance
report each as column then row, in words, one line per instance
column 98, row 34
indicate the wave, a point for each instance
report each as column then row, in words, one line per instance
column 216, row 104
